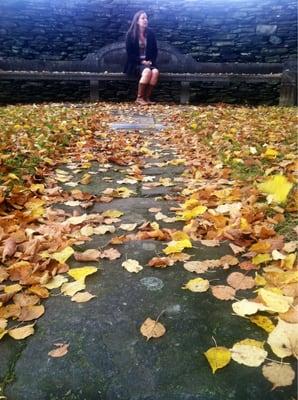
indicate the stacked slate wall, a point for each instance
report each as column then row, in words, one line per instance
column 209, row 30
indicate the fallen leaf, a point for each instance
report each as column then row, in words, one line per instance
column 82, row 297
column 250, row 355
column 278, row 374
column 177, row 246
column 63, row 256
column 21, row 333
column 284, row 339
column 11, row 310
column 103, row 229
column 263, row 322
column 132, row 266
column 9, row 249
column 60, row 351
column 218, row 357
column 223, row 292
column 196, row 266
column 71, row 288
column 111, row 254
column 161, row 262
column 41, row 292
column 210, row 243
column 112, row 214
column 80, row 274
column 24, row 300
column 88, row 255
column 128, row 227
column 239, row 281
column 236, row 249
column 245, row 307
column 275, row 302
column 28, row 313
column 152, row 329
column 197, row 285
column 277, row 186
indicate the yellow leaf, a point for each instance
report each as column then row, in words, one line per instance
column 124, row 192
column 289, row 261
column 62, row 256
column 3, row 332
column 261, row 258
column 275, row 302
column 112, row 214
column 56, row 282
column 21, row 333
column 13, row 288
column 197, row 285
column 218, row 357
column 263, row 322
column 277, row 186
column 177, row 246
column 190, row 203
column 86, row 179
column 69, row 289
column 271, row 153
column 179, row 235
column 260, row 280
column 80, row 274
column 190, row 214
column 37, row 187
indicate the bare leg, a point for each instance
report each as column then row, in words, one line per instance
column 152, row 83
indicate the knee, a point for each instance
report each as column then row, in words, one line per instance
column 146, row 74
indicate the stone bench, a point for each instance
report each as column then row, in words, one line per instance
column 107, row 65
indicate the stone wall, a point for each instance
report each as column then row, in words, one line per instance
column 210, row 30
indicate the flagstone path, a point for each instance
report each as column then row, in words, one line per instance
column 108, row 358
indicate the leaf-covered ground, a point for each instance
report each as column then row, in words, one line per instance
column 237, row 186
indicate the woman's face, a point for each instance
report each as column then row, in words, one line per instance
column 143, row 21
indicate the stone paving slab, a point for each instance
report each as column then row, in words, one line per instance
column 108, row 358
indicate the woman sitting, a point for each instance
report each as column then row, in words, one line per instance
column 142, row 51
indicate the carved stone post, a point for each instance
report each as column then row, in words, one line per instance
column 288, row 88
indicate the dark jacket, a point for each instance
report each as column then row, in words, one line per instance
column 133, row 53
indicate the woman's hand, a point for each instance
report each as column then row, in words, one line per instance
column 147, row 63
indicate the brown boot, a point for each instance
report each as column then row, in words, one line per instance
column 141, row 94
column 148, row 94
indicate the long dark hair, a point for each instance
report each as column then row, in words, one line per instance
column 133, row 30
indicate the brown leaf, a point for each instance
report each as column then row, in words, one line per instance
column 10, row 248
column 88, row 255
column 3, row 274
column 239, row 281
column 12, row 310
column 28, row 313
column 111, row 254
column 227, row 261
column 210, row 243
column 247, row 266
column 152, row 329
column 223, row 292
column 39, row 291
column 161, row 262
column 82, row 297
column 60, row 351
column 24, row 300
column 236, row 249
column 21, row 333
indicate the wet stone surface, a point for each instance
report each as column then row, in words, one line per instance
column 108, row 358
